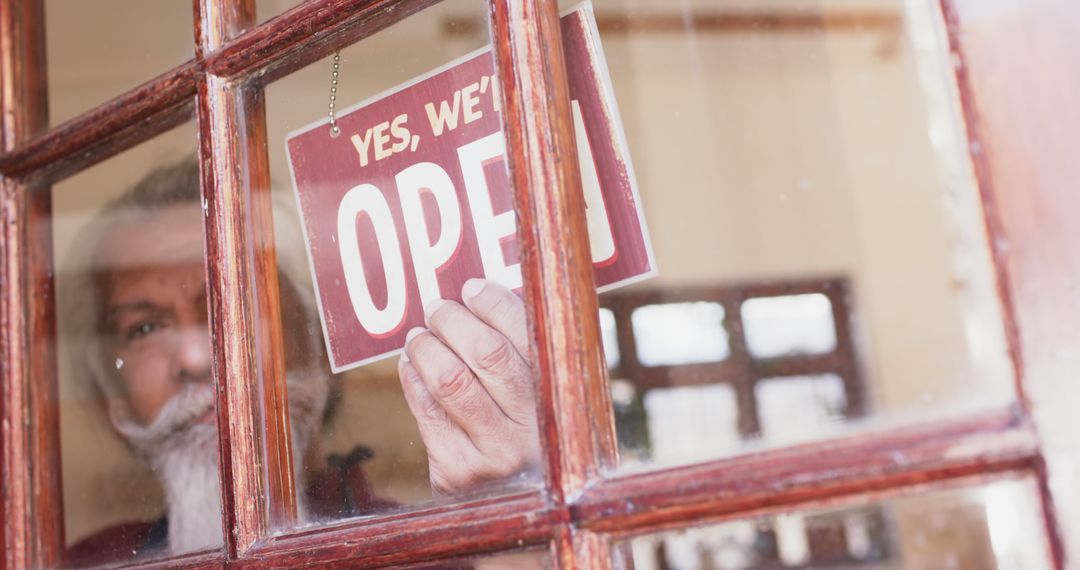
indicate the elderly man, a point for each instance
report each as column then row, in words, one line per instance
column 142, row 297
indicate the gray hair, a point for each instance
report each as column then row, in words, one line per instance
column 174, row 185
column 167, row 185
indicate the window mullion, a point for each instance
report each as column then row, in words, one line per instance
column 555, row 249
column 258, row 485
column 582, row 548
column 575, row 411
column 33, row 516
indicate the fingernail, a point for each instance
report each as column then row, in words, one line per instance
column 472, row 288
column 432, row 307
column 409, row 336
column 412, row 333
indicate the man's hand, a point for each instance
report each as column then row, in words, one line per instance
column 468, row 381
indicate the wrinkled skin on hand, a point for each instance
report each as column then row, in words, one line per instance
column 468, row 381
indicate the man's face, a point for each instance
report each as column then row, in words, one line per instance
column 153, row 303
column 152, row 298
column 154, row 315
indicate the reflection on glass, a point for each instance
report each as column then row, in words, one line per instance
column 685, row 422
column 534, row 559
column 266, row 9
column 792, row 324
column 810, row 201
column 610, row 333
column 128, row 43
column 391, row 434
column 995, row 526
column 680, row 333
column 138, row 443
column 793, row 408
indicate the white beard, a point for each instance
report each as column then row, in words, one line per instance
column 192, row 490
column 184, row 455
column 185, row 458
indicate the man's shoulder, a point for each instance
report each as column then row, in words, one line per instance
column 340, row 490
column 124, row 541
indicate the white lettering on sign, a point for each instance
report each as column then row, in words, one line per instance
column 491, row 228
column 366, row 199
column 429, row 178
column 377, row 136
column 465, row 104
column 428, row 258
column 446, row 116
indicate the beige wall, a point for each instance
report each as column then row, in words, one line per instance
column 765, row 156
column 97, row 50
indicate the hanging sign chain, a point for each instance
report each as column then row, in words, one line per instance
column 334, row 130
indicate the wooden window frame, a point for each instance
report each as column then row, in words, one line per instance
column 584, row 504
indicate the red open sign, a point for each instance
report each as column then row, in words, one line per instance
column 413, row 199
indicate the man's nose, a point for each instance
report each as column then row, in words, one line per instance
column 193, row 354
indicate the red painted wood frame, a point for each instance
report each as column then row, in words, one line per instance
column 1013, row 93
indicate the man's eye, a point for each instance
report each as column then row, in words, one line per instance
column 142, row 329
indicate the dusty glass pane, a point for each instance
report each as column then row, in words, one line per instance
column 679, row 333
column 799, row 408
column 697, row 419
column 100, row 49
column 999, row 525
column 266, row 9
column 807, row 186
column 361, row 448
column 788, row 324
column 138, row 442
column 533, row 559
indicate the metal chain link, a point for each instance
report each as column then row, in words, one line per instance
column 334, row 130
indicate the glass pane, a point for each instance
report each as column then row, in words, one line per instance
column 98, row 50
column 137, row 426
column 532, row 559
column 822, row 257
column 684, row 421
column 800, row 408
column 610, row 333
column 378, row 434
column 999, row 525
column 266, row 9
column 789, row 324
column 679, row 333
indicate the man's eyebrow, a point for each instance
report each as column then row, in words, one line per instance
column 131, row 307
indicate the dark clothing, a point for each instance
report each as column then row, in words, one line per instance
column 341, row 490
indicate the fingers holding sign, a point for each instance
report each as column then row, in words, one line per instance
column 468, row 381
